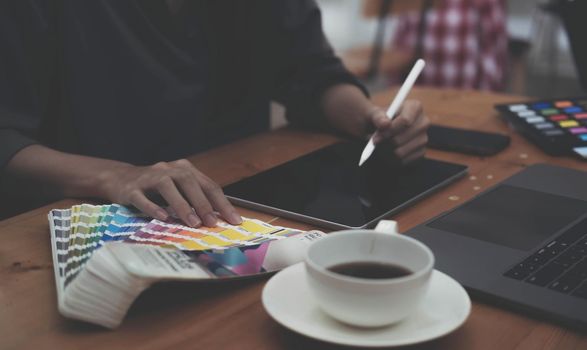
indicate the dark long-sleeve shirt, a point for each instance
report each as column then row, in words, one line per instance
column 128, row 80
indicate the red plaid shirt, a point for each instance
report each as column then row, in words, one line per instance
column 464, row 45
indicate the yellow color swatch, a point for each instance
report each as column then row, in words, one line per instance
column 191, row 245
column 568, row 123
column 252, row 226
column 235, row 235
column 216, row 241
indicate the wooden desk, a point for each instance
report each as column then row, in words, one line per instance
column 230, row 315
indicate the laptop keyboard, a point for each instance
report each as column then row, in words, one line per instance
column 561, row 265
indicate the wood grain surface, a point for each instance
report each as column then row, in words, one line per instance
column 229, row 315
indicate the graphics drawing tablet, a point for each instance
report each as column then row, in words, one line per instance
column 327, row 188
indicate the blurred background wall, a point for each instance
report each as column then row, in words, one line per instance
column 539, row 62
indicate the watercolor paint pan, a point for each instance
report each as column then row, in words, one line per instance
column 557, row 126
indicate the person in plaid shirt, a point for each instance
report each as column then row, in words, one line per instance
column 464, row 43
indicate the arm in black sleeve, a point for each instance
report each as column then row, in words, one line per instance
column 309, row 66
column 24, row 72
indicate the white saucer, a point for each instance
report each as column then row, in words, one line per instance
column 288, row 300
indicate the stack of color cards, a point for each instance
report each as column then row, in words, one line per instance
column 106, row 255
column 559, row 127
column 80, row 230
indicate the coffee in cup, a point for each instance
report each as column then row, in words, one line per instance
column 367, row 278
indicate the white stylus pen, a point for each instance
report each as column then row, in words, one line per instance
column 395, row 104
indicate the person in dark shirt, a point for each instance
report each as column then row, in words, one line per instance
column 104, row 98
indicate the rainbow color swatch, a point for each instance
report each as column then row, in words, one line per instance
column 81, row 229
column 175, row 235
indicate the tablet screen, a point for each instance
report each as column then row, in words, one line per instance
column 328, row 188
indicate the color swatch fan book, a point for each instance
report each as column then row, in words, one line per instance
column 106, row 255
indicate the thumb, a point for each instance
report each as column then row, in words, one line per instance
column 382, row 125
column 379, row 119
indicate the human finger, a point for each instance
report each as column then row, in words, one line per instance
column 168, row 190
column 141, row 202
column 381, row 123
column 411, row 146
column 419, row 127
column 191, row 188
column 221, row 203
column 410, row 111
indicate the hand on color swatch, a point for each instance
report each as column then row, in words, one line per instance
column 182, row 185
column 407, row 131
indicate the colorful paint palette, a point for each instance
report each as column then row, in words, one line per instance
column 559, row 127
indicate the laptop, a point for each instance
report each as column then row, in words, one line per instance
column 522, row 243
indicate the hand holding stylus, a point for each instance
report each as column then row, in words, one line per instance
column 393, row 109
column 407, row 132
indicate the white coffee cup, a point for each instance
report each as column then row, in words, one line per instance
column 368, row 302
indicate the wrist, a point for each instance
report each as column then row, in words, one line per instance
column 97, row 180
column 348, row 109
column 105, row 179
